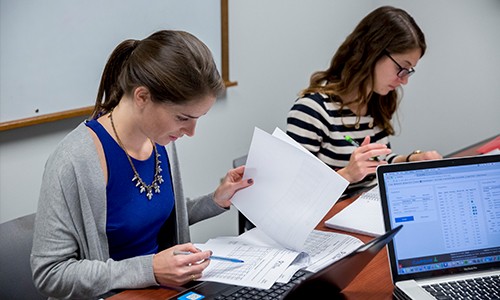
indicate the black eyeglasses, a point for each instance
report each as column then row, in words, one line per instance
column 403, row 72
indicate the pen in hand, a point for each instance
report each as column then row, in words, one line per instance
column 350, row 140
column 235, row 260
column 356, row 144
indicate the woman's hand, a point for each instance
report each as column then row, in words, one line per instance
column 424, row 155
column 231, row 183
column 171, row 269
column 364, row 161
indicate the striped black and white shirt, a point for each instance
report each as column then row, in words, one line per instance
column 320, row 126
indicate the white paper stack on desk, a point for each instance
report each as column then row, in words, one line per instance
column 292, row 192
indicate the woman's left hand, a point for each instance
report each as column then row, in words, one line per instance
column 231, row 183
column 425, row 155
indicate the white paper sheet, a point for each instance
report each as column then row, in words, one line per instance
column 494, row 151
column 363, row 216
column 320, row 249
column 261, row 268
column 266, row 262
column 292, row 189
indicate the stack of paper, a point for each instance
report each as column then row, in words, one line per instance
column 292, row 192
column 266, row 262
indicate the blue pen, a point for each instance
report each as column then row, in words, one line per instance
column 226, row 259
column 235, row 260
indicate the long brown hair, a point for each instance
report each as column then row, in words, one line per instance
column 174, row 65
column 352, row 67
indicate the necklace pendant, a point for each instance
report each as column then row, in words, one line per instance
column 158, row 179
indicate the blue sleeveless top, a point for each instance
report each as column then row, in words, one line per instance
column 133, row 221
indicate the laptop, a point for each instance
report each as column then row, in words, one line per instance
column 450, row 212
column 330, row 280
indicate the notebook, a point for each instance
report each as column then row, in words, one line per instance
column 363, row 215
column 330, row 280
column 450, row 210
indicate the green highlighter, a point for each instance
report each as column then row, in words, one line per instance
column 356, row 144
column 350, row 140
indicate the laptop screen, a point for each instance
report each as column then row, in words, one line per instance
column 450, row 210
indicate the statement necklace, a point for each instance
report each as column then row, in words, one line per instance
column 143, row 187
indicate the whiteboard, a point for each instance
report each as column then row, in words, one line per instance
column 52, row 52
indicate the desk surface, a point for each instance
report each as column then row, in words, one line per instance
column 374, row 282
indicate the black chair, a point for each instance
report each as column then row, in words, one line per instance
column 16, row 238
column 243, row 223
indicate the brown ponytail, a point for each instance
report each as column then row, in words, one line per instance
column 110, row 92
column 174, row 65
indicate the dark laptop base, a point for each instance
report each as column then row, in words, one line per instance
column 215, row 290
column 316, row 287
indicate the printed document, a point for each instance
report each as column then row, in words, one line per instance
column 261, row 267
column 292, row 190
column 266, row 262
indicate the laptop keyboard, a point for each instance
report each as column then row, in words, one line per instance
column 275, row 292
column 478, row 288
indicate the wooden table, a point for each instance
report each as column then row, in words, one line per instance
column 374, row 282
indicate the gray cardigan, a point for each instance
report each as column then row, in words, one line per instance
column 70, row 257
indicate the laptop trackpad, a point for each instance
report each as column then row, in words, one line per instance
column 413, row 290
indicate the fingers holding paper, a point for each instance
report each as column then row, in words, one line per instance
column 231, row 183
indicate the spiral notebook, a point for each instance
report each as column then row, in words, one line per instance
column 363, row 216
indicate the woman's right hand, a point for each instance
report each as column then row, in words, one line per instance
column 171, row 269
column 362, row 161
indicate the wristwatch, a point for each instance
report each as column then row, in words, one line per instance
column 414, row 152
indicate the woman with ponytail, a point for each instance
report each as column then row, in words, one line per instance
column 111, row 211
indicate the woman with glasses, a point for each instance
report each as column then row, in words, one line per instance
column 344, row 116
